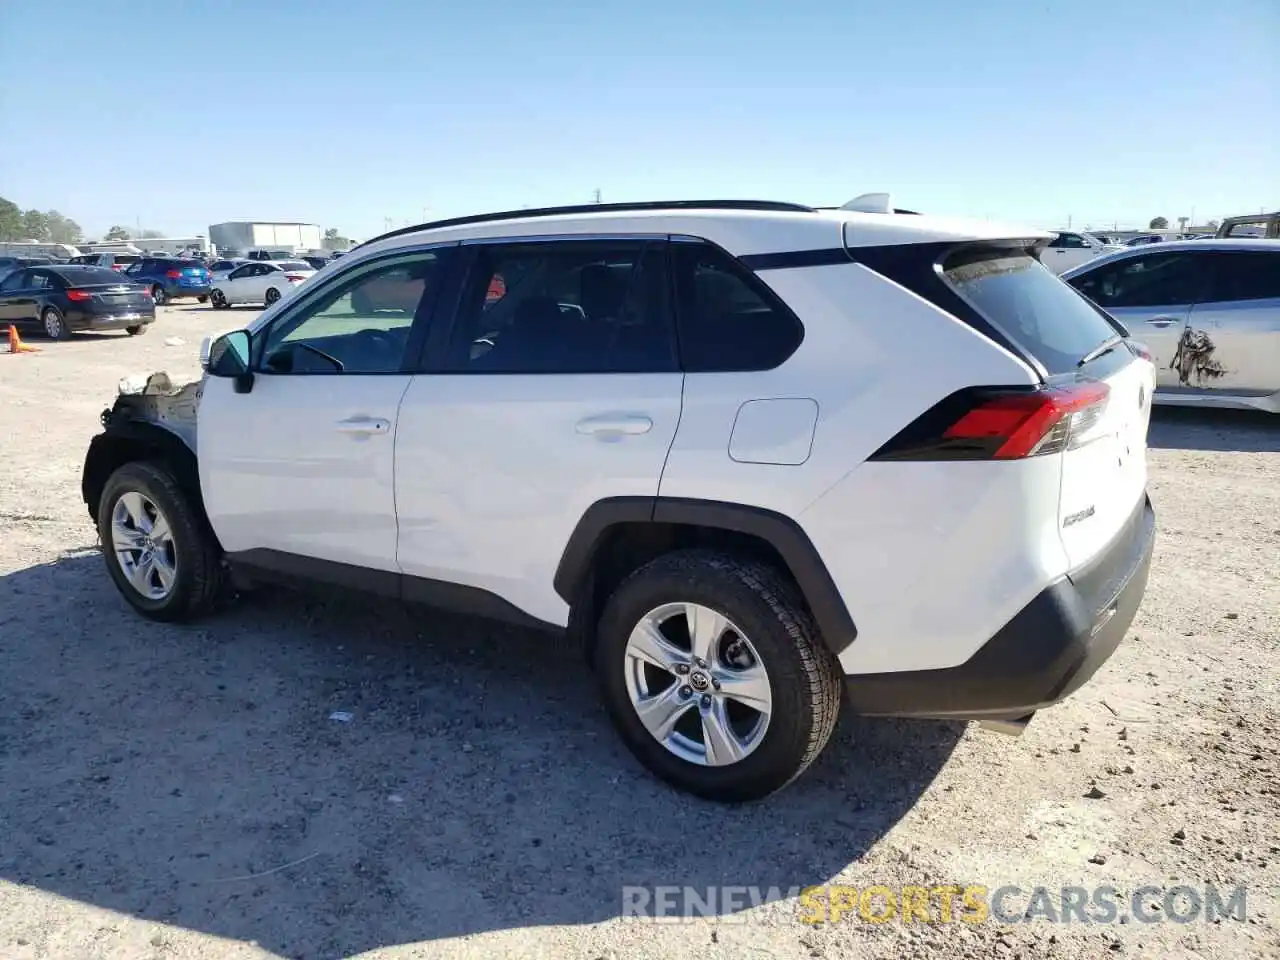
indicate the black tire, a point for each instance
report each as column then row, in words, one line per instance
column 272, row 295
column 804, row 676
column 136, row 331
column 54, row 324
column 202, row 299
column 158, row 294
column 218, row 300
column 199, row 574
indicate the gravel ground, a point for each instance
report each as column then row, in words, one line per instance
column 181, row 791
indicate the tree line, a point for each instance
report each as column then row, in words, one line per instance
column 47, row 226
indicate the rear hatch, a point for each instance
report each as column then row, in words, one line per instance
column 192, row 275
column 1083, row 353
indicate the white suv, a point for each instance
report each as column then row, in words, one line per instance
column 749, row 454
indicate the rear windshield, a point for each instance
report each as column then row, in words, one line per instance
column 292, row 265
column 1031, row 306
column 78, row 274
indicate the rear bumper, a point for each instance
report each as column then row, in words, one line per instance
column 175, row 290
column 109, row 321
column 1044, row 654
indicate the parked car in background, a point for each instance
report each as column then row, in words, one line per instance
column 260, row 281
column 219, row 269
column 1261, row 225
column 170, row 278
column 271, row 255
column 1067, row 250
column 9, row 264
column 1209, row 312
column 65, row 298
column 108, row 261
column 317, row 263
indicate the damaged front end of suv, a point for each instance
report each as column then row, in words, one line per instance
column 152, row 419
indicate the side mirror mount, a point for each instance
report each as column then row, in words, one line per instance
column 229, row 357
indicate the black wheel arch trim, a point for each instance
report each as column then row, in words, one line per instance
column 792, row 544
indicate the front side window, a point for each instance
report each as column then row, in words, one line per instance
column 566, row 306
column 14, row 281
column 727, row 319
column 1244, row 275
column 360, row 325
column 1151, row 280
column 1069, row 241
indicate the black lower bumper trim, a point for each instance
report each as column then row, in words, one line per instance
column 1044, row 654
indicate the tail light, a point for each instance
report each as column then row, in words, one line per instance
column 996, row 424
column 117, row 266
column 173, row 274
column 79, row 296
column 294, row 278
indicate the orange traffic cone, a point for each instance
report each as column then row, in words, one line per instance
column 16, row 345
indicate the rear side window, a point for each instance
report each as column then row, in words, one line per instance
column 1244, row 275
column 727, row 319
column 570, row 306
column 1031, row 306
column 1151, row 280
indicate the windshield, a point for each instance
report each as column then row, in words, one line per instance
column 1031, row 306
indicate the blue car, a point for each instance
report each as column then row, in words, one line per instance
column 171, row 277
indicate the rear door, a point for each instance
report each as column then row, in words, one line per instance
column 1237, row 326
column 558, row 387
column 1151, row 294
column 1104, row 471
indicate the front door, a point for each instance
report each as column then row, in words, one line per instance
column 1065, row 251
column 1151, row 294
column 559, row 387
column 301, row 466
column 1238, row 323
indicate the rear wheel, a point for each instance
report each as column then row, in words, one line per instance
column 715, row 675
column 157, row 294
column 272, row 296
column 201, row 299
column 136, row 330
column 158, row 548
column 55, row 325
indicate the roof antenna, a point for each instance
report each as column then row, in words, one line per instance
column 870, row 203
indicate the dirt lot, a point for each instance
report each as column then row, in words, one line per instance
column 182, row 792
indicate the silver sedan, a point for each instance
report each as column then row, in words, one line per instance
column 1208, row 310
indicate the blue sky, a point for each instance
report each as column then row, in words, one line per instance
column 180, row 114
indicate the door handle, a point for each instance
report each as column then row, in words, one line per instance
column 1162, row 321
column 614, row 424
column 364, row 425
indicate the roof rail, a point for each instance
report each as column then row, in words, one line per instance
column 595, row 208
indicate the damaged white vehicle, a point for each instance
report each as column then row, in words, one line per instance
column 759, row 459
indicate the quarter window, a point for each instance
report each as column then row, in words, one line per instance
column 361, row 325
column 727, row 319
column 565, row 306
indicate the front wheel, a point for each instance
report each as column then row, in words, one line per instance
column 219, row 300
column 158, row 548
column 715, row 676
column 272, row 296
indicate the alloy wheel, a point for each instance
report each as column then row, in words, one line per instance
column 143, row 544
column 697, row 684
column 52, row 325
